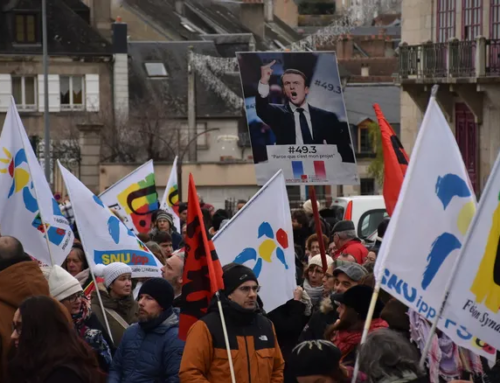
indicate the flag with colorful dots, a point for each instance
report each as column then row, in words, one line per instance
column 260, row 236
column 105, row 238
column 28, row 210
column 428, row 228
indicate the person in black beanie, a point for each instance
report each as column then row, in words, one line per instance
column 318, row 361
column 255, row 351
column 150, row 351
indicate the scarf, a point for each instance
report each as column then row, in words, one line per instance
column 93, row 337
column 83, row 276
column 444, row 359
column 306, row 299
column 315, row 293
column 346, row 341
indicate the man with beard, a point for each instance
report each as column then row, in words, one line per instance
column 297, row 122
column 255, row 351
column 150, row 351
column 353, row 308
column 172, row 272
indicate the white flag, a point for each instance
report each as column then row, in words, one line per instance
column 260, row 236
column 105, row 238
column 474, row 299
column 134, row 197
column 428, row 227
column 28, row 210
column 170, row 200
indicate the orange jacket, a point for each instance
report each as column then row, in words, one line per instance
column 254, row 349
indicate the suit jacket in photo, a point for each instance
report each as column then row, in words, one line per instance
column 325, row 126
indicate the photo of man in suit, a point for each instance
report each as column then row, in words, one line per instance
column 297, row 122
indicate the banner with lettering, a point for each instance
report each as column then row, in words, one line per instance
column 170, row 199
column 28, row 210
column 202, row 276
column 104, row 237
column 262, row 239
column 474, row 299
column 428, row 226
column 134, row 197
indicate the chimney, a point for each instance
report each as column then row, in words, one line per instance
column 365, row 70
column 101, row 15
column 268, row 11
column 253, row 15
column 120, row 70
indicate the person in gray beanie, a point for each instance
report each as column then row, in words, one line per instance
column 120, row 307
column 150, row 350
column 257, row 356
column 161, row 220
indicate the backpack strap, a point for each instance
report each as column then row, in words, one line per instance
column 117, row 318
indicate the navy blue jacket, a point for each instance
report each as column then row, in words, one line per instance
column 149, row 357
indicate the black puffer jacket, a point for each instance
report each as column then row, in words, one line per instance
column 320, row 320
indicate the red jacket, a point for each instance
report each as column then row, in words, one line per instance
column 355, row 248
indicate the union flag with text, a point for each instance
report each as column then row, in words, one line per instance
column 202, row 276
column 395, row 161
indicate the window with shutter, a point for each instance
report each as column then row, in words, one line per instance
column 71, row 90
column 5, row 92
column 24, row 92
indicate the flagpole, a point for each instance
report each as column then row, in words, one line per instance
column 319, row 231
column 34, row 185
column 46, row 91
column 88, row 261
column 378, row 283
column 226, row 338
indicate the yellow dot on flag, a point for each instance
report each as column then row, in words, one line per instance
column 465, row 217
column 266, row 249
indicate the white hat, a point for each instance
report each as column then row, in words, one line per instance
column 316, row 260
column 111, row 271
column 308, row 207
column 62, row 284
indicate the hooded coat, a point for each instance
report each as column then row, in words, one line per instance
column 320, row 320
column 19, row 279
column 149, row 355
column 127, row 308
column 255, row 351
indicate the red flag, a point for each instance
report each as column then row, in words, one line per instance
column 202, row 276
column 395, row 161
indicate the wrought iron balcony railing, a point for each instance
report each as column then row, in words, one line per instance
column 454, row 59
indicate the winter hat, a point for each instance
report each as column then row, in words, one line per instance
column 343, row 226
column 160, row 290
column 316, row 260
column 353, row 270
column 315, row 357
column 111, row 271
column 162, row 214
column 358, row 298
column 182, row 207
column 235, row 275
column 62, row 284
column 308, row 207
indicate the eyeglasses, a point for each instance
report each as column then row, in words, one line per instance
column 17, row 327
column 247, row 289
column 74, row 297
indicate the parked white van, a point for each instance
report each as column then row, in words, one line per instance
column 365, row 211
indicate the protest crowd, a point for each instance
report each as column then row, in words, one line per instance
column 53, row 327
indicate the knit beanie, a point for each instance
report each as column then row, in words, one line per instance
column 162, row 214
column 316, row 357
column 111, row 272
column 235, row 275
column 62, row 284
column 308, row 207
column 316, row 260
column 160, row 290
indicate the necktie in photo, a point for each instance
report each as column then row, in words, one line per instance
column 304, row 128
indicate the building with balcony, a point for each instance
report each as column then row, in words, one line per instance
column 455, row 44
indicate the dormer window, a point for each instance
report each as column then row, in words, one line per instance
column 26, row 28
